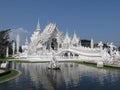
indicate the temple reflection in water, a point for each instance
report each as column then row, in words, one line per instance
column 71, row 74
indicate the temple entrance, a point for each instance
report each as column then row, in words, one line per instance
column 54, row 44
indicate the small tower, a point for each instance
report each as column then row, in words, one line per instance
column 17, row 42
column 92, row 43
column 13, row 47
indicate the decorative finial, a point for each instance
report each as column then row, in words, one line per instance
column 38, row 26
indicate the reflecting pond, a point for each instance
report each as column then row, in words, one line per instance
column 72, row 76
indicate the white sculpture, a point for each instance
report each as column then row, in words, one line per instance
column 117, row 55
column 112, row 47
column 53, row 63
column 110, row 55
column 100, row 44
column 4, row 65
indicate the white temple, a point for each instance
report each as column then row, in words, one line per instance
column 50, row 39
column 65, row 47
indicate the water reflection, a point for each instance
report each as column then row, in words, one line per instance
column 35, row 76
column 71, row 74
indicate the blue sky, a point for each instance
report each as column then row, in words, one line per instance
column 97, row 19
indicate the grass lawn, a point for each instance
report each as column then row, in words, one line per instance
column 11, row 75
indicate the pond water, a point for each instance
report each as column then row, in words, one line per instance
column 72, row 76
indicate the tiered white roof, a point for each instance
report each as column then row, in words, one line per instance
column 34, row 36
column 50, row 30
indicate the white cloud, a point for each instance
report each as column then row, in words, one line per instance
column 22, row 33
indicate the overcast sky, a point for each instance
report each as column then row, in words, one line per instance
column 97, row 19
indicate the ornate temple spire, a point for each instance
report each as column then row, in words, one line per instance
column 75, row 39
column 67, row 38
column 38, row 26
column 74, row 36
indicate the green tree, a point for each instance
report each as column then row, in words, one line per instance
column 4, row 41
column 85, row 43
column 119, row 48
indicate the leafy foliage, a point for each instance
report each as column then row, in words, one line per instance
column 85, row 42
column 119, row 48
column 4, row 41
